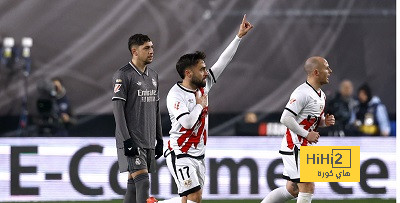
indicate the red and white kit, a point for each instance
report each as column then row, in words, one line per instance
column 189, row 128
column 307, row 105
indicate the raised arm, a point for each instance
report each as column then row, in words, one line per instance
column 245, row 27
column 230, row 51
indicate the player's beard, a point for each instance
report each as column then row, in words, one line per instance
column 198, row 82
column 148, row 61
column 324, row 80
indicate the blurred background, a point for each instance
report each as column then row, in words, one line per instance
column 56, row 72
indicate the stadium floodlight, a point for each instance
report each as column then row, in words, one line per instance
column 8, row 44
column 27, row 43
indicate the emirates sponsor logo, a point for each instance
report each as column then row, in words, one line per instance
column 145, row 93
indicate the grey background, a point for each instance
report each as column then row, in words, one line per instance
column 85, row 41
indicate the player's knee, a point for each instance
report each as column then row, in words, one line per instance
column 194, row 197
column 292, row 188
column 293, row 192
column 310, row 188
column 307, row 187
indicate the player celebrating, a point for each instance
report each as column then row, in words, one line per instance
column 137, row 118
column 187, row 107
column 302, row 115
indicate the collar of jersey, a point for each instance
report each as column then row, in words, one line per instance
column 319, row 93
column 184, row 88
column 146, row 71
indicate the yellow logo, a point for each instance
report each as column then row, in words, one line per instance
column 330, row 164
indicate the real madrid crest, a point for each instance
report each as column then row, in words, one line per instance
column 137, row 161
column 154, row 82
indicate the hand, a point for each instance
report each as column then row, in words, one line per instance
column 201, row 99
column 245, row 26
column 130, row 148
column 313, row 137
column 329, row 120
column 159, row 149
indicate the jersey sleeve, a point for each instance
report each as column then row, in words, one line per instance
column 176, row 105
column 121, row 128
column 158, row 116
column 296, row 103
column 158, row 89
column 121, row 85
column 227, row 55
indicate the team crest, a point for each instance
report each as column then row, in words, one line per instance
column 154, row 82
column 137, row 161
column 176, row 105
column 187, row 183
column 139, row 83
column 117, row 88
column 321, row 107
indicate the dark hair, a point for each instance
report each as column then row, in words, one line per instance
column 365, row 87
column 137, row 40
column 187, row 61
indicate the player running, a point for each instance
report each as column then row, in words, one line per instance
column 303, row 114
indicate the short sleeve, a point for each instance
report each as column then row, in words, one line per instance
column 121, row 85
column 296, row 102
column 176, row 105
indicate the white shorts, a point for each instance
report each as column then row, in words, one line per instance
column 189, row 173
column 291, row 163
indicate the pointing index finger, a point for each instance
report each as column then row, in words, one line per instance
column 244, row 19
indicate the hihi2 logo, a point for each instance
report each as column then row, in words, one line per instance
column 330, row 164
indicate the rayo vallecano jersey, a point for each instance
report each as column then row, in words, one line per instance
column 182, row 101
column 307, row 104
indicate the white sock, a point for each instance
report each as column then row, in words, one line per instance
column 278, row 195
column 304, row 197
column 190, row 201
column 173, row 200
